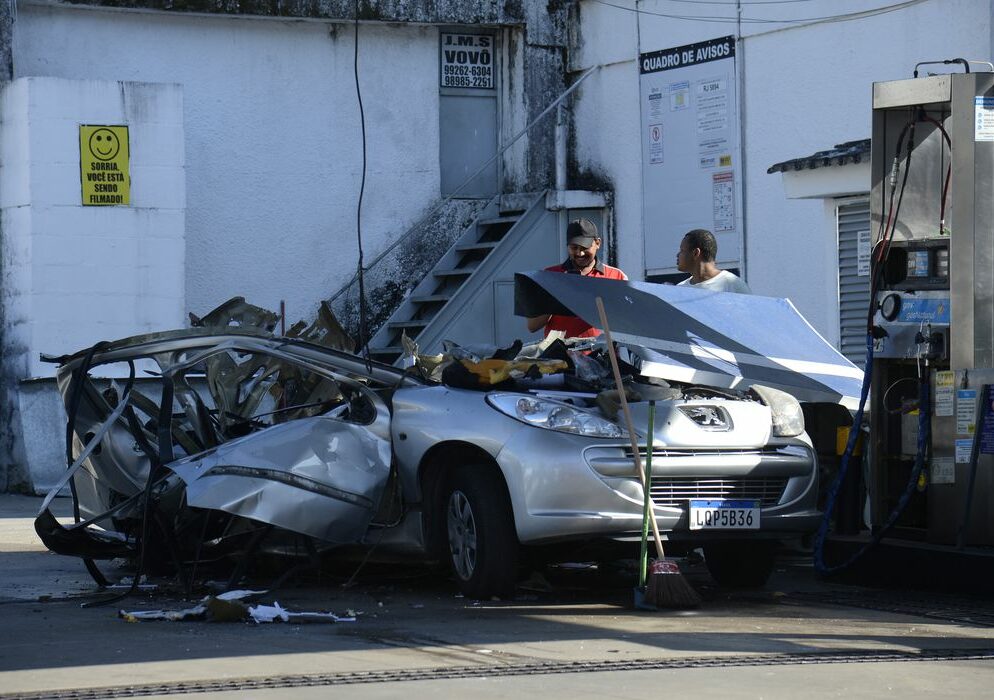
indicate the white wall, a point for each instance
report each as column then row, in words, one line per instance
column 807, row 88
column 273, row 147
column 118, row 268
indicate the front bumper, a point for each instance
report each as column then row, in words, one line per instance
column 556, row 498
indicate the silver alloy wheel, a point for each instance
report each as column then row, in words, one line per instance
column 462, row 535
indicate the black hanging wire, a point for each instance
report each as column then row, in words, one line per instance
column 363, row 329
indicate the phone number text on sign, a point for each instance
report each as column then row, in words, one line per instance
column 467, row 61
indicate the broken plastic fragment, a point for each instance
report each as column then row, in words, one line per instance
column 198, row 612
column 276, row 612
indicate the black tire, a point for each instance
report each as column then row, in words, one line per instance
column 741, row 564
column 477, row 527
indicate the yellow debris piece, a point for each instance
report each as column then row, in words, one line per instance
column 489, row 372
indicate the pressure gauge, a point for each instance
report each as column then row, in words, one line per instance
column 890, row 307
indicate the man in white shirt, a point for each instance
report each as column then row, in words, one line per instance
column 697, row 253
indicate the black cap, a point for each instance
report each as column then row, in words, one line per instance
column 582, row 232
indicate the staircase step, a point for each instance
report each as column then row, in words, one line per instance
column 497, row 220
column 469, row 247
column 455, row 272
column 389, row 350
column 431, row 299
column 416, row 323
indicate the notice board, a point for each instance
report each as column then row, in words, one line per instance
column 466, row 61
column 691, row 155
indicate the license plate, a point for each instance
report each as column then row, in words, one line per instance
column 724, row 515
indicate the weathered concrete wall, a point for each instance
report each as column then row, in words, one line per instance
column 90, row 273
column 7, row 475
column 73, row 275
column 807, row 87
column 474, row 12
column 15, row 279
column 271, row 132
column 6, row 39
column 273, row 144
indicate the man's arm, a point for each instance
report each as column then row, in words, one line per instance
column 537, row 322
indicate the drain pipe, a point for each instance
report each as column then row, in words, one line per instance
column 561, row 134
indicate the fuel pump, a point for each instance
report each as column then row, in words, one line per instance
column 930, row 324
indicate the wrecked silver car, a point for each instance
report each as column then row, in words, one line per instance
column 225, row 439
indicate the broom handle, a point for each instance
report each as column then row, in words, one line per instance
column 646, row 499
column 628, row 420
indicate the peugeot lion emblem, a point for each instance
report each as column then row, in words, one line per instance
column 708, row 417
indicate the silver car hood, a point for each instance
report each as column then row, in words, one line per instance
column 703, row 337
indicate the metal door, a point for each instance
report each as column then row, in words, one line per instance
column 467, row 118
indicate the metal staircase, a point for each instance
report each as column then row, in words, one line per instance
column 459, row 277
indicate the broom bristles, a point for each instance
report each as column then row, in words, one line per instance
column 667, row 588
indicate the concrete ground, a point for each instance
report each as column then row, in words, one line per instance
column 570, row 634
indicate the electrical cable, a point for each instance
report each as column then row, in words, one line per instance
column 949, row 168
column 363, row 329
column 883, row 401
column 739, row 2
column 884, row 250
column 862, row 14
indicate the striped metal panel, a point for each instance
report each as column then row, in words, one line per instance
column 674, row 492
column 854, row 288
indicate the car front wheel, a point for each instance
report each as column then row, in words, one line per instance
column 482, row 545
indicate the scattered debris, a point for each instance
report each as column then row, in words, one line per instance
column 229, row 607
column 277, row 613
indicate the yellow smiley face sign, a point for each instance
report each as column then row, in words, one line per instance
column 103, row 165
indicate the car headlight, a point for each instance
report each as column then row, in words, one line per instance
column 553, row 415
column 788, row 419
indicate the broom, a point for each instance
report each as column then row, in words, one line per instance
column 665, row 586
column 646, row 506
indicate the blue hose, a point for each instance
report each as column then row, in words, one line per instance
column 924, row 437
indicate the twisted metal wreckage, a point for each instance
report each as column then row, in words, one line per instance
column 226, row 439
column 318, row 454
column 149, row 480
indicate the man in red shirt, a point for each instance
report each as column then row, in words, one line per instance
column 582, row 243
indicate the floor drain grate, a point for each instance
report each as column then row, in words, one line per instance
column 478, row 671
column 967, row 611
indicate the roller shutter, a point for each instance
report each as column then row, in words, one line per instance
column 854, row 278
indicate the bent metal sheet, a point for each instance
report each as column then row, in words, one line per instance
column 692, row 335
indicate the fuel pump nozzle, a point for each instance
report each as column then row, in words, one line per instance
column 930, row 344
